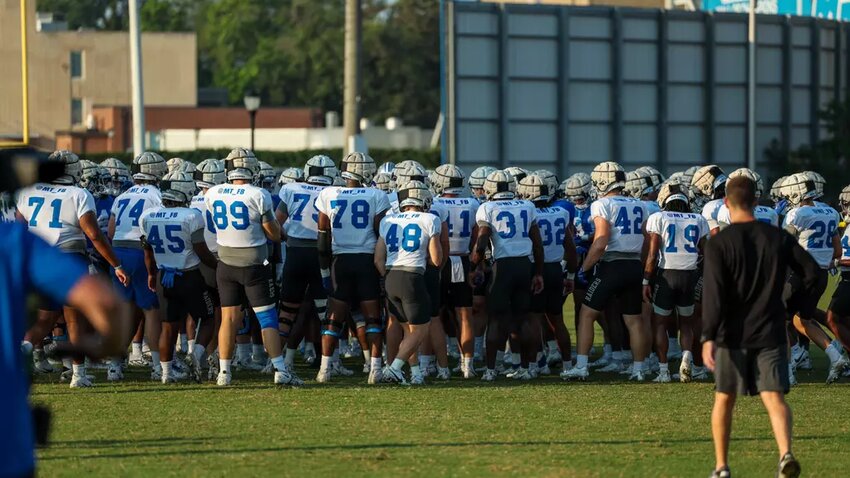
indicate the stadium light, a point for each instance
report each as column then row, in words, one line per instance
column 252, row 104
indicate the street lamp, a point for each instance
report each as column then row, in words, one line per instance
column 252, row 104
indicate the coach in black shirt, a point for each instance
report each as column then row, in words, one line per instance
column 744, row 337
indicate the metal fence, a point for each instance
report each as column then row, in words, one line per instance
column 565, row 88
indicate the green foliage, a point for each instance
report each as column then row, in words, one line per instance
column 428, row 158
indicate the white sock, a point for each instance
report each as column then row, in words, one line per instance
column 79, row 370
column 662, row 367
column 289, row 360
column 278, row 363
column 833, row 353
column 367, row 355
column 136, row 349
column 154, row 358
column 224, row 365
column 198, row 351
column 191, row 346
column 414, row 370
column 553, row 345
column 26, row 347
column 581, row 361
column 376, row 363
column 466, row 362
column 687, row 357
column 166, row 367
column 397, row 364
column 309, row 347
column 326, row 362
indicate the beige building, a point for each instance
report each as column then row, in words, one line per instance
column 614, row 3
column 71, row 71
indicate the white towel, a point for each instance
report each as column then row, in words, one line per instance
column 457, row 269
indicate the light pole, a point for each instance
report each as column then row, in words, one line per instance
column 252, row 104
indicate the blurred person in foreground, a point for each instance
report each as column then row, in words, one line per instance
column 744, row 336
column 29, row 264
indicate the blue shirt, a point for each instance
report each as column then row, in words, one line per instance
column 570, row 207
column 27, row 264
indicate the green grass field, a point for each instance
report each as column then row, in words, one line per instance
column 604, row 427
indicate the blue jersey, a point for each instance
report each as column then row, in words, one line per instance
column 102, row 207
column 570, row 207
column 584, row 229
column 26, row 263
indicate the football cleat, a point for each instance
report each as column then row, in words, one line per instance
column 576, row 373
column 638, row 376
column 442, row 374
column 114, row 373
column 721, row 473
column 283, row 377
column 81, row 381
column 789, row 467
column 522, row 374
column 223, row 379
column 544, row 370
column 309, row 357
column 367, row 367
column 388, row 375
column 533, row 370
column 602, row 361
column 138, row 361
column 615, row 366
column 685, row 371
column 324, row 376
column 468, row 372
column 417, row 379
column 489, row 375
column 554, row 357
column 663, row 377
column 337, row 368
column 40, row 363
column 194, row 368
column 699, row 373
column 836, row 370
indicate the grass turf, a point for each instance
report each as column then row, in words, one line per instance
column 604, row 427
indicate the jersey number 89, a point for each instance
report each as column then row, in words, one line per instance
column 238, row 210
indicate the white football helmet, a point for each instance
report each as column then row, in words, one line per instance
column 174, row 164
column 607, row 177
column 752, row 175
column 178, row 187
column 577, row 188
column 209, row 173
column 707, row 180
column 267, row 176
column 673, row 191
column 517, row 173
column 186, row 167
column 73, row 167
column 119, row 176
column 241, row 164
column 384, row 182
column 819, row 181
column 550, row 179
column 798, row 188
column 637, row 184
column 149, row 166
column 387, row 168
column 500, row 185
column 320, row 170
column 406, row 163
column 844, row 201
column 479, row 175
column 448, row 179
column 776, row 194
column 414, row 193
column 91, row 178
column 358, row 167
column 291, row 175
column 533, row 188
column 688, row 174
column 412, row 172
column 653, row 177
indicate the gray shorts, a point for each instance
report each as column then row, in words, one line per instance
column 751, row 371
column 407, row 297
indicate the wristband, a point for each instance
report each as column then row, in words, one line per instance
column 325, row 273
column 118, row 267
column 571, row 276
column 645, row 282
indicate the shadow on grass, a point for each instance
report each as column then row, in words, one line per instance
column 169, row 442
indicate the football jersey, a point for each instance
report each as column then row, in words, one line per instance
column 441, row 211
column 53, row 211
column 169, row 232
column 352, row 213
column 762, row 213
column 303, row 217
column 460, row 222
column 814, row 228
column 553, row 222
column 680, row 235
column 103, row 208
column 510, row 222
column 651, row 207
column 200, row 205
column 128, row 208
column 845, row 248
column 392, row 197
column 407, row 236
column 626, row 216
column 710, row 211
column 584, row 227
column 237, row 213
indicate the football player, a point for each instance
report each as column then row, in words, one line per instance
column 348, row 226
column 173, row 238
column 761, row 213
column 676, row 238
column 64, row 215
column 508, row 227
column 244, row 222
column 615, row 254
column 838, row 314
column 408, row 242
column 709, row 186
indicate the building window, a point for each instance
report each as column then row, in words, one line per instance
column 76, row 111
column 76, row 64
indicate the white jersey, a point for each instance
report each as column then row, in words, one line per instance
column 460, row 222
column 710, row 212
column 238, row 214
column 200, row 205
column 407, row 236
column 128, row 208
column 845, row 248
column 352, row 213
column 651, row 207
column 553, row 222
column 392, row 197
column 170, row 232
column 510, row 222
column 762, row 213
column 680, row 235
column 53, row 211
column 303, row 217
column 441, row 211
column 626, row 216
column 814, row 228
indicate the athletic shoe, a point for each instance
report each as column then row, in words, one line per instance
column 40, row 363
column 81, row 381
column 156, row 374
column 114, row 373
column 615, row 366
column 442, row 374
column 490, row 375
column 138, row 361
column 65, row 375
column 417, row 379
column 836, row 369
column 564, row 375
column 223, row 379
column 789, row 467
column 522, row 374
column 168, row 378
column 792, row 378
column 389, row 375
column 544, row 370
column 344, row 349
column 533, row 370
column 177, row 374
column 268, row 368
column 284, row 377
column 324, row 376
column 430, row 370
column 309, row 356
column 247, row 364
column 468, row 372
column 453, row 351
column 212, row 372
column 651, row 364
column 457, row 368
column 721, row 473
column 338, row 369
column 602, row 361
column 377, row 375
column 554, row 357
column 576, row 373
column 367, row 367
column 699, row 373
column 195, row 372
column 663, row 377
column 638, row 376
column 685, row 372
column 802, row 361
column 628, row 370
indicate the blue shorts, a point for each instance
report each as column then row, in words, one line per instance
column 133, row 261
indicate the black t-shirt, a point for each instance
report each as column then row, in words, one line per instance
column 746, row 266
